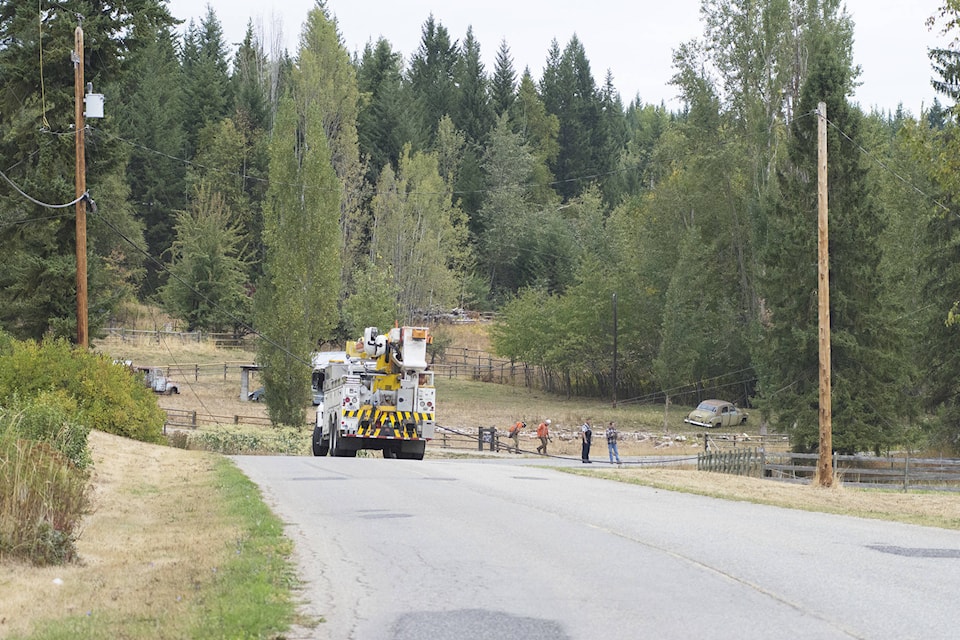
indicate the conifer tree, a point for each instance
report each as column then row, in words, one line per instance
column 430, row 80
column 866, row 377
column 152, row 119
column 208, row 275
column 37, row 282
column 503, row 85
column 569, row 92
column 381, row 123
column 206, row 83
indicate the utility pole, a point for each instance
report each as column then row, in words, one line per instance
column 614, row 350
column 825, row 461
column 81, row 188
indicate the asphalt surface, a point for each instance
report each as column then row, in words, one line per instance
column 496, row 549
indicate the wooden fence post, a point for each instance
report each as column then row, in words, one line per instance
column 906, row 472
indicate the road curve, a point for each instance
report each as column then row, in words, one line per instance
column 404, row 550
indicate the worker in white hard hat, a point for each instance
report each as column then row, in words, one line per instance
column 543, row 432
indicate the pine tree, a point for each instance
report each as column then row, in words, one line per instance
column 381, row 123
column 503, row 85
column 569, row 92
column 151, row 119
column 474, row 115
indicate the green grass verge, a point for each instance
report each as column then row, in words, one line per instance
column 250, row 595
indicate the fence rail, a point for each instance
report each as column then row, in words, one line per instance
column 937, row 474
column 220, row 339
column 192, row 419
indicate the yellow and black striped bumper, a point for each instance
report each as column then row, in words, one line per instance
column 375, row 416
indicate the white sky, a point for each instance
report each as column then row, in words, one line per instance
column 634, row 40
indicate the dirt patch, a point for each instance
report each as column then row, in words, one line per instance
column 152, row 539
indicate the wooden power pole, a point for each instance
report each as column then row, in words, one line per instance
column 81, row 184
column 614, row 350
column 825, row 461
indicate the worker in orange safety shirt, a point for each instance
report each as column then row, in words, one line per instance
column 543, row 432
column 515, row 434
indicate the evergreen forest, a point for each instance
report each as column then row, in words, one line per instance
column 303, row 195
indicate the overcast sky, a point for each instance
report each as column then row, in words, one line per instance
column 634, row 40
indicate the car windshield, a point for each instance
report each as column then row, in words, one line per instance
column 707, row 406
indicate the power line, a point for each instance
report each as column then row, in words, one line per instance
column 883, row 166
column 85, row 196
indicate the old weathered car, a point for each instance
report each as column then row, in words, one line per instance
column 716, row 413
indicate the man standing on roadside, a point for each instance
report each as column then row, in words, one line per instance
column 543, row 432
column 612, row 442
column 586, row 438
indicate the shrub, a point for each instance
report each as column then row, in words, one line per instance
column 42, row 500
column 49, row 417
column 107, row 396
column 278, row 442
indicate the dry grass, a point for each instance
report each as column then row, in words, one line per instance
column 470, row 335
column 153, row 538
column 928, row 509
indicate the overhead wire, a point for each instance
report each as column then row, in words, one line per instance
column 84, row 196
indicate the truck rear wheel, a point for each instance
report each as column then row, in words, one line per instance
column 336, row 450
column 320, row 445
column 415, row 452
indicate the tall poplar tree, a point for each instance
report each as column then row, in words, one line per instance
column 328, row 80
column 296, row 299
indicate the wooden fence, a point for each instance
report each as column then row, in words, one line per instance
column 936, row 474
column 742, row 462
column 192, row 419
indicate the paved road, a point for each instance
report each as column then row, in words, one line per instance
column 438, row 549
